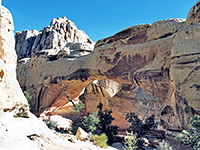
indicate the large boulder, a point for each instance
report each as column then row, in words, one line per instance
column 81, row 134
column 147, row 69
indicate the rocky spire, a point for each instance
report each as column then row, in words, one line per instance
column 60, row 33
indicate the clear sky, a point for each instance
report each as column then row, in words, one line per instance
column 98, row 18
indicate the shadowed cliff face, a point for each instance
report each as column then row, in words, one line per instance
column 148, row 69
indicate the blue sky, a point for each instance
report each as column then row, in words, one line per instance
column 98, row 18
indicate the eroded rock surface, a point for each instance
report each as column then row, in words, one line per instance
column 194, row 14
column 61, row 34
column 10, row 92
column 148, row 69
column 121, row 99
column 31, row 133
column 184, row 94
column 18, row 127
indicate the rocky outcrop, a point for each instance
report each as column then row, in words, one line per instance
column 184, row 94
column 24, row 43
column 10, row 92
column 121, row 99
column 60, row 35
column 194, row 14
column 148, row 69
column 33, row 134
column 18, row 127
column 120, row 65
column 81, row 135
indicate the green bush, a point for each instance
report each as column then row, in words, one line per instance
column 150, row 123
column 75, row 126
column 97, row 123
column 191, row 137
column 28, row 97
column 104, row 125
column 101, row 140
column 165, row 146
column 137, row 125
column 90, row 122
column 130, row 141
column 77, row 108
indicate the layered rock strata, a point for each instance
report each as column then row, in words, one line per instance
column 147, row 69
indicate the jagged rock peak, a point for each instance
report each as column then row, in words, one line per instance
column 57, row 35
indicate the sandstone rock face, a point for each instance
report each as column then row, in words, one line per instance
column 147, row 69
column 121, row 99
column 24, row 43
column 18, row 127
column 58, row 36
column 118, row 65
column 194, row 14
column 10, row 92
column 184, row 95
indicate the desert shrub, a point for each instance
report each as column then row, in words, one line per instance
column 77, row 108
column 75, row 126
column 150, row 123
column 100, row 140
column 165, row 146
column 90, row 122
column 97, row 123
column 130, row 141
column 137, row 125
column 28, row 97
column 104, row 125
column 191, row 137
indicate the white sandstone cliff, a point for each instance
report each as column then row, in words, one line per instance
column 10, row 92
column 60, row 35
